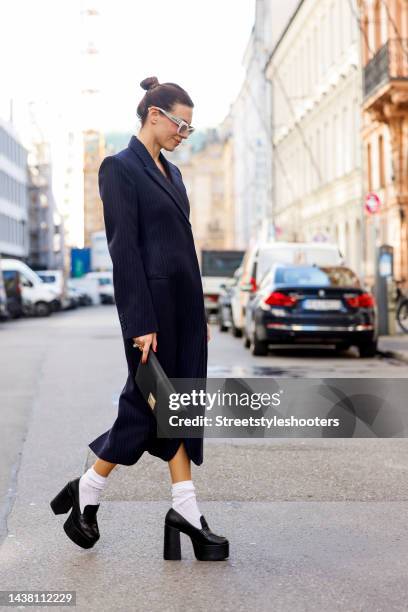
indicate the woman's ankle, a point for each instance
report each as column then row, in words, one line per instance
column 103, row 468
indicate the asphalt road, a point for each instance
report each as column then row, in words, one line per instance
column 313, row 524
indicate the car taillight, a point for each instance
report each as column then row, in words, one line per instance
column 364, row 300
column 277, row 298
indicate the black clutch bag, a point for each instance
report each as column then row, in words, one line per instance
column 155, row 386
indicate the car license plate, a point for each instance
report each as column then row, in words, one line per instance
column 322, row 304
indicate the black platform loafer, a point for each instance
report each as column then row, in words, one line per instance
column 207, row 545
column 81, row 528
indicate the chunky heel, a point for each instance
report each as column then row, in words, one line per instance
column 62, row 502
column 81, row 527
column 207, row 545
column 172, row 550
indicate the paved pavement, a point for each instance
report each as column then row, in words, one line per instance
column 395, row 346
column 313, row 524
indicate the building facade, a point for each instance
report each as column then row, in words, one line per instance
column 384, row 25
column 46, row 250
column 250, row 116
column 14, row 203
column 94, row 153
column 315, row 73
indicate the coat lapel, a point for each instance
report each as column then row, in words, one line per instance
column 153, row 171
column 178, row 184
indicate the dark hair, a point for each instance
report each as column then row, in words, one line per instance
column 164, row 95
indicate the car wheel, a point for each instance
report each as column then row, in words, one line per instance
column 259, row 348
column 42, row 309
column 368, row 349
column 237, row 333
column 247, row 342
column 221, row 326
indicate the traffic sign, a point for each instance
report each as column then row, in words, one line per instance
column 372, row 203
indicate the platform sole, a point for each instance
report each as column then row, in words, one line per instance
column 76, row 535
column 202, row 552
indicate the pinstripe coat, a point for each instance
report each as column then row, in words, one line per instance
column 158, row 288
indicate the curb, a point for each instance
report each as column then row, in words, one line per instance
column 400, row 356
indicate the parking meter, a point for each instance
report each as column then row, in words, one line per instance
column 385, row 289
column 392, row 304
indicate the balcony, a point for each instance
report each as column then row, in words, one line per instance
column 389, row 64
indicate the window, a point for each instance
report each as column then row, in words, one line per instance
column 327, row 276
column 323, row 49
column 316, row 56
column 25, row 281
column 381, row 172
column 338, row 146
column 366, row 46
column 332, row 25
column 369, row 170
column 377, row 25
column 357, row 152
column 318, row 158
column 325, row 150
column 340, row 25
column 348, row 141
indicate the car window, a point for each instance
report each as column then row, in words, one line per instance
column 322, row 276
column 220, row 263
column 267, row 278
column 267, row 257
column 25, row 281
column 341, row 276
column 47, row 278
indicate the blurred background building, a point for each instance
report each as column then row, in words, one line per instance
column 14, row 202
column 384, row 42
column 315, row 73
column 318, row 123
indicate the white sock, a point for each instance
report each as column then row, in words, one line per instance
column 184, row 501
column 91, row 484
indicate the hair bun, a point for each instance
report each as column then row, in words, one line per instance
column 149, row 83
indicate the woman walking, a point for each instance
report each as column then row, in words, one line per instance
column 160, row 303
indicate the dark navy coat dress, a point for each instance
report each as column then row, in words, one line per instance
column 158, row 288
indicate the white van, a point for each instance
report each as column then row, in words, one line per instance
column 105, row 285
column 259, row 258
column 55, row 279
column 38, row 299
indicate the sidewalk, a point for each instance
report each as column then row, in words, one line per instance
column 395, row 346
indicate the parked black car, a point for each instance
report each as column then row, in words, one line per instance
column 311, row 304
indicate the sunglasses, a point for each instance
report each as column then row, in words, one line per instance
column 183, row 126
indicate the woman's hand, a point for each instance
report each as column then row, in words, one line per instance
column 208, row 333
column 144, row 342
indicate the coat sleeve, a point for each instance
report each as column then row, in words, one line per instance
column 120, row 210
